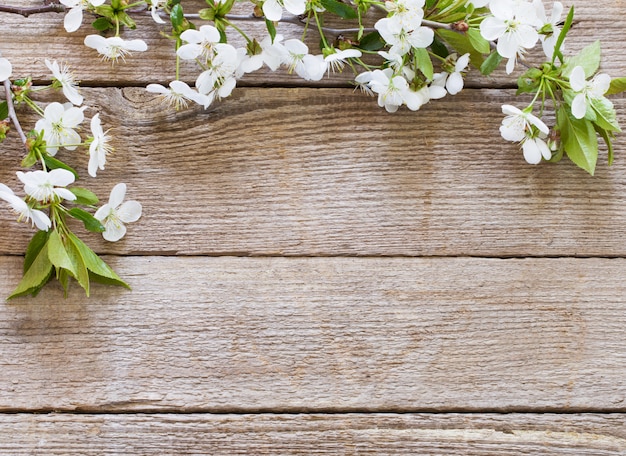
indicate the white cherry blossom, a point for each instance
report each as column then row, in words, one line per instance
column 401, row 39
column 68, row 84
column 391, row 89
column 220, row 78
column 24, row 212
column 116, row 213
column 273, row 9
column 517, row 124
column 534, row 149
column 337, row 59
column 586, row 90
column 114, row 47
column 99, row 148
column 74, row 17
column 58, row 124
column 454, row 80
column 548, row 42
column 198, row 42
column 47, row 186
column 178, row 94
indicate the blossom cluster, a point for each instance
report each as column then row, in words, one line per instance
column 49, row 194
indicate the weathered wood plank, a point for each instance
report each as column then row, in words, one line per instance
column 28, row 41
column 322, row 334
column 262, row 175
column 449, row 435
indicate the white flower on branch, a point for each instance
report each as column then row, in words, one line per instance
column 116, row 213
column 74, row 17
column 58, row 124
column 114, row 47
column 198, row 42
column 550, row 26
column 24, row 211
column 513, row 24
column 336, row 59
column 99, row 148
column 220, row 79
column 401, row 39
column 273, row 9
column 527, row 129
column 64, row 77
column 587, row 90
column 178, row 94
column 47, row 186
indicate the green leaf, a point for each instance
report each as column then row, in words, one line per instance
column 95, row 264
column 439, row 48
column 461, row 43
column 4, row 110
column 424, row 63
column 561, row 38
column 340, row 9
column 178, row 19
column 579, row 139
column 490, row 63
column 91, row 223
column 84, row 196
column 271, row 29
column 588, row 58
column 34, row 247
column 618, row 85
column 36, row 276
column 57, row 254
column 372, row 42
column 478, row 42
column 82, row 274
column 607, row 136
column 102, row 24
column 606, row 117
column 53, row 163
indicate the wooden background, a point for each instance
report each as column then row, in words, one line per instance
column 314, row 275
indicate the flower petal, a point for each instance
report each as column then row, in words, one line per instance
column 117, row 195
column 579, row 106
column 129, row 212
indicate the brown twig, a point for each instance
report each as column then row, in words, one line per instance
column 47, row 8
column 12, row 114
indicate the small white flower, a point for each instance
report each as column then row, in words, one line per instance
column 273, row 9
column 24, row 211
column 586, row 90
column 220, row 78
column 74, row 17
column 114, row 47
column 548, row 41
column 198, row 42
column 63, row 76
column 407, row 13
column 99, row 148
column 337, row 59
column 47, row 186
column 6, row 69
column 534, row 149
column 454, row 82
column 154, row 10
column 58, row 124
column 115, row 214
column 517, row 124
column 177, row 95
column 401, row 39
column 391, row 89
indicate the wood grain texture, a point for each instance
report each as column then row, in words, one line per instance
column 255, row 177
column 43, row 36
column 351, row 434
column 322, row 334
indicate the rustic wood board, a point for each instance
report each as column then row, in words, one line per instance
column 230, row 334
column 44, row 37
column 255, row 177
column 446, row 435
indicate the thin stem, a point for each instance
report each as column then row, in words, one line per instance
column 12, row 114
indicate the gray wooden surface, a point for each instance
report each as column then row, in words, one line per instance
column 415, row 290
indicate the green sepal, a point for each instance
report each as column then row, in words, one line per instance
column 53, row 163
column 424, row 63
column 36, row 276
column 4, row 110
column 588, row 58
column 206, row 14
column 84, row 196
column 91, row 223
column 125, row 19
column 106, row 11
column 490, row 63
column 529, row 81
column 579, row 139
column 340, row 9
column 477, row 41
column 618, row 85
column 372, row 42
column 95, row 264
